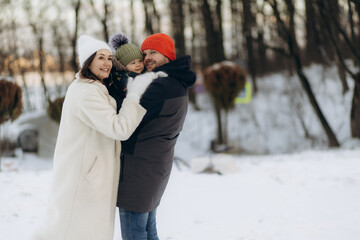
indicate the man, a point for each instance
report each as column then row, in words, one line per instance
column 148, row 155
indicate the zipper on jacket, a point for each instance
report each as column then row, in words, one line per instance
column 122, row 166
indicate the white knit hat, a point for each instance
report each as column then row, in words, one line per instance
column 87, row 46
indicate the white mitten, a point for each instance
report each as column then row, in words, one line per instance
column 161, row 74
column 136, row 87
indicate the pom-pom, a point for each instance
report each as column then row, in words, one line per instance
column 117, row 40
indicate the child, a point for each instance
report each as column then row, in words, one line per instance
column 131, row 59
column 127, row 53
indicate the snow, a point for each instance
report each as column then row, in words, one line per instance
column 277, row 184
column 310, row 195
column 220, row 163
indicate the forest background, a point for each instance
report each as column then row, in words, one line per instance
column 38, row 40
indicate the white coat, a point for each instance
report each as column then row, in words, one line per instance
column 86, row 163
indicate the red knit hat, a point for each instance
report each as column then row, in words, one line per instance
column 162, row 43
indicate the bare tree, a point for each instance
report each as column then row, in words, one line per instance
column 178, row 25
column 334, row 28
column 224, row 81
column 333, row 6
column 288, row 34
column 2, row 49
column 59, row 43
column 11, row 51
column 132, row 21
column 354, row 36
column 197, row 33
column 10, row 103
column 260, row 41
column 235, row 27
column 20, row 68
column 76, row 5
column 152, row 18
column 313, row 42
column 37, row 19
column 213, row 31
column 248, row 22
column 357, row 10
column 102, row 17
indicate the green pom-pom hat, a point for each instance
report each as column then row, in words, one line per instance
column 125, row 51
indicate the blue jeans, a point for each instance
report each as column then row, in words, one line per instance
column 138, row 226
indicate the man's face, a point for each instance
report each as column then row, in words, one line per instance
column 154, row 59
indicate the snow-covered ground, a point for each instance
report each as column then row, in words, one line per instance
column 278, row 184
column 304, row 196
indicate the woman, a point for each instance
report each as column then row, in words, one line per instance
column 86, row 159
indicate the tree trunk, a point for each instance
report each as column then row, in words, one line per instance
column 155, row 14
column 178, row 26
column 37, row 27
column 235, row 28
column 220, row 139
column 352, row 31
column 219, row 28
column 104, row 21
column 193, row 49
column 191, row 10
column 357, row 9
column 293, row 48
column 74, row 37
column 103, row 18
column 313, row 43
column 21, row 70
column 342, row 75
column 355, row 109
column 247, row 31
column 148, row 21
column 214, row 47
column 225, row 130
column 333, row 8
column 59, row 44
column 152, row 18
column 41, row 67
column 333, row 142
column 261, row 51
column 0, row 148
column 291, row 23
column 132, row 22
column 27, row 94
column 334, row 30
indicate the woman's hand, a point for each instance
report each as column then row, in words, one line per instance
column 137, row 86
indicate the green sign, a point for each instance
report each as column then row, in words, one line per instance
column 244, row 96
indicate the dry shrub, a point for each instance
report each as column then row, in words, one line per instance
column 224, row 81
column 54, row 109
column 10, row 100
column 10, row 103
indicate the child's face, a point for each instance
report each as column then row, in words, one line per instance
column 136, row 66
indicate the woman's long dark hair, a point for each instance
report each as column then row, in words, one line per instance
column 85, row 70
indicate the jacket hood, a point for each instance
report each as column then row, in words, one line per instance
column 180, row 70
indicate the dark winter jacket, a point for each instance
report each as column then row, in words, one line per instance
column 116, row 85
column 148, row 154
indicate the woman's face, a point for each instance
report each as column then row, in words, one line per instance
column 101, row 64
